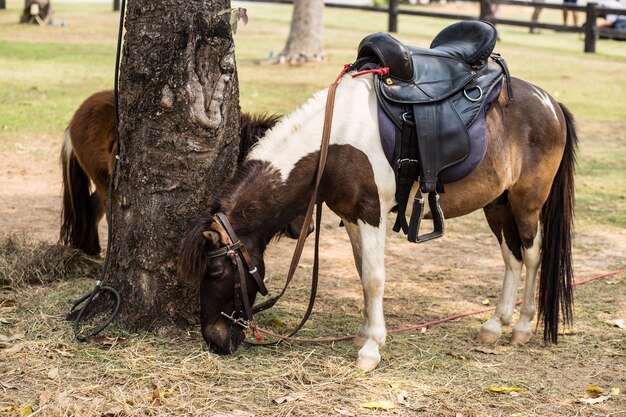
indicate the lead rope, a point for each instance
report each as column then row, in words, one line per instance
column 98, row 288
column 328, row 119
column 417, row 326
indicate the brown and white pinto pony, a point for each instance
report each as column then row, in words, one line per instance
column 525, row 186
column 87, row 158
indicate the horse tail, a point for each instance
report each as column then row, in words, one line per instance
column 556, row 276
column 78, row 219
column 193, row 260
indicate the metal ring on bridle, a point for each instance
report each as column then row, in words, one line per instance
column 480, row 96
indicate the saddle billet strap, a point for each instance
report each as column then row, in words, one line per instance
column 330, row 105
column 507, row 75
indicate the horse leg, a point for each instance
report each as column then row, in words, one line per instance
column 502, row 223
column 532, row 260
column 355, row 240
column 370, row 255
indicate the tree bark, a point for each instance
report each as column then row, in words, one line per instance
column 305, row 42
column 43, row 14
column 179, row 136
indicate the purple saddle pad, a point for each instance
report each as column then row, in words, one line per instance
column 477, row 133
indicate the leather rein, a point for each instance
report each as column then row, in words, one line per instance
column 240, row 257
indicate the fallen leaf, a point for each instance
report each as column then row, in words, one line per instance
column 277, row 323
column 107, row 341
column 26, row 411
column 15, row 348
column 44, row 398
column 568, row 331
column 8, row 386
column 234, row 413
column 614, row 391
column 486, row 302
column 504, row 389
column 456, row 355
column 594, row 390
column 289, row 398
column 16, row 336
column 395, row 386
column 594, row 400
column 343, row 412
column 486, row 350
column 8, row 409
column 403, row 398
column 156, row 395
column 621, row 323
column 53, row 373
column 382, row 405
column 64, row 353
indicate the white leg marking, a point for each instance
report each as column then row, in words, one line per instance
column 491, row 329
column 355, row 239
column 532, row 260
column 373, row 281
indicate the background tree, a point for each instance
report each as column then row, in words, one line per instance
column 36, row 11
column 179, row 135
column 305, row 41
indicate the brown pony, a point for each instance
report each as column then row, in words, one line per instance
column 87, row 158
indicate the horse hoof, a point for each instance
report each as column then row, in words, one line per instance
column 367, row 363
column 520, row 338
column 487, row 337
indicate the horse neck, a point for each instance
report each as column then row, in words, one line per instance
column 259, row 204
column 274, row 185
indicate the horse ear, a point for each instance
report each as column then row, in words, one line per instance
column 213, row 237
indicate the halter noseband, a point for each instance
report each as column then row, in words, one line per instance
column 240, row 257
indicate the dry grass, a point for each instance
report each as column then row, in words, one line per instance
column 441, row 371
column 23, row 263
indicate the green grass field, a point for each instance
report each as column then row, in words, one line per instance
column 45, row 73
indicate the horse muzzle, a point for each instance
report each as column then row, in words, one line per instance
column 222, row 338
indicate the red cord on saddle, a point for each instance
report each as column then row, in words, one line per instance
column 379, row 71
column 346, row 67
column 257, row 331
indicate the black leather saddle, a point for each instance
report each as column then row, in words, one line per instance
column 432, row 96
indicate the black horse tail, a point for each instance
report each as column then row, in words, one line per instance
column 78, row 219
column 193, row 260
column 556, row 291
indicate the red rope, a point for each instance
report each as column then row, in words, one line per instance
column 256, row 330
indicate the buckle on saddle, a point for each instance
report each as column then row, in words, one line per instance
column 473, row 100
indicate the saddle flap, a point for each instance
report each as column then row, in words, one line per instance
column 471, row 41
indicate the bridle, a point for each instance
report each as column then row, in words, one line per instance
column 242, row 261
column 240, row 257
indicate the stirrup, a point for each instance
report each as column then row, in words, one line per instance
column 418, row 214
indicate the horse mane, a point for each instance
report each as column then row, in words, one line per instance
column 253, row 127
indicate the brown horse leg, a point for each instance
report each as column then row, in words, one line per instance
column 502, row 223
column 527, row 215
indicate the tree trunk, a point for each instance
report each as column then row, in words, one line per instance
column 179, row 135
column 305, row 42
column 36, row 11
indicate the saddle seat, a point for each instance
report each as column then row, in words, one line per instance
column 421, row 75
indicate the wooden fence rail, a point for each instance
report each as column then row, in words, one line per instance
column 591, row 11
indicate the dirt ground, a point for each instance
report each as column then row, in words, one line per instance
column 451, row 275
